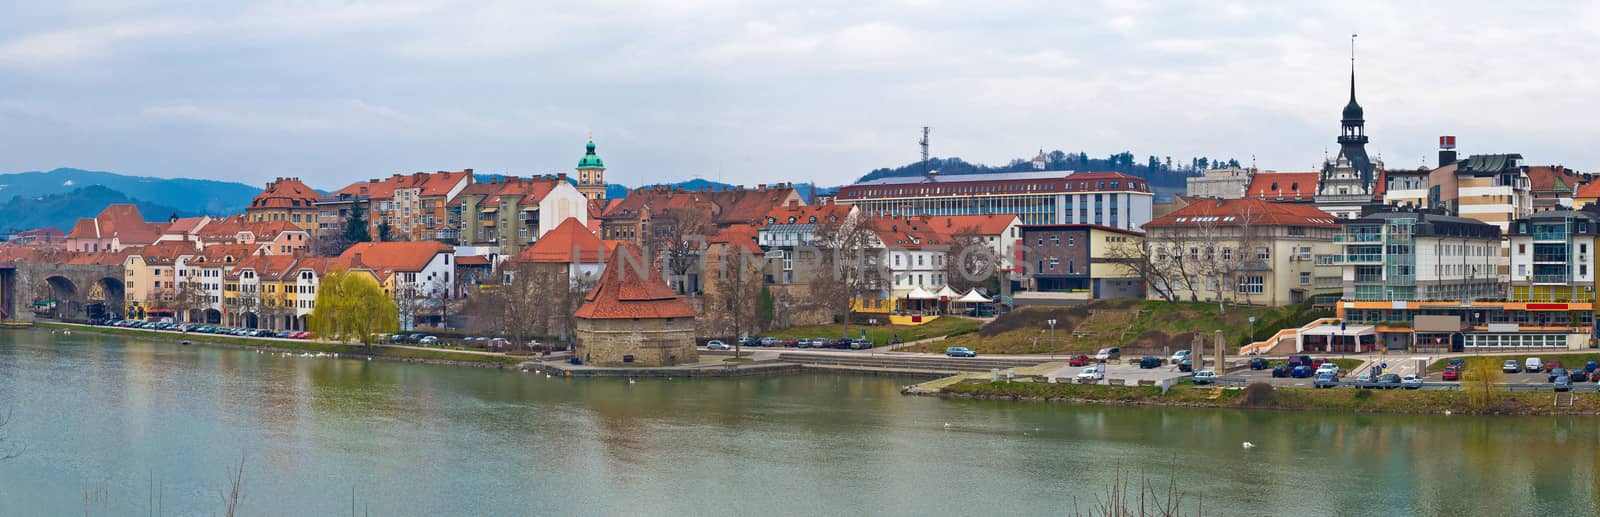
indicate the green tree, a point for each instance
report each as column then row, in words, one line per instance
column 765, row 312
column 383, row 231
column 352, row 307
column 355, row 228
column 1480, row 379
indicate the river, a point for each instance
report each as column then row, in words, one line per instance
column 104, row 418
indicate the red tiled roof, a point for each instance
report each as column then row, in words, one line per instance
column 1283, row 184
column 267, row 267
column 628, row 291
column 1233, row 212
column 185, row 224
column 165, row 252
column 802, row 214
column 472, row 260
column 568, row 242
column 739, row 235
column 390, row 257
column 994, row 224
column 1555, row 178
column 911, row 234
column 285, row 193
column 122, row 221
column 226, row 254
column 1590, row 189
column 431, row 184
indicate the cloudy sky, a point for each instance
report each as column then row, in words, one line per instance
column 750, row 92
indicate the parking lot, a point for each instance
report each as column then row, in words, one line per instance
column 1131, row 374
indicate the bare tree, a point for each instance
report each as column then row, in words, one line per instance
column 736, row 293
column 1137, row 256
column 971, row 263
column 190, row 295
column 851, row 267
column 678, row 236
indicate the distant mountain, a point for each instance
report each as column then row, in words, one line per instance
column 615, row 191
column 62, row 210
column 197, row 196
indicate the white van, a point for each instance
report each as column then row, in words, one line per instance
column 1533, row 364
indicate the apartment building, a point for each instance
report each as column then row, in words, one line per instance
column 1048, row 197
column 1244, row 251
column 414, row 206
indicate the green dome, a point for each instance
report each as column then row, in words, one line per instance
column 590, row 160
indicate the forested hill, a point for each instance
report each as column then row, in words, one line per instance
column 1161, row 172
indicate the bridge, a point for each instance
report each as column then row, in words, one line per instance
column 67, row 292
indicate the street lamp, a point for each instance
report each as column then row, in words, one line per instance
column 1252, row 338
column 1052, row 323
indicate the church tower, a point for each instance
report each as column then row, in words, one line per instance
column 591, row 174
column 1348, row 181
column 1353, row 135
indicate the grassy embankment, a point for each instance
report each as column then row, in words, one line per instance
column 297, row 346
column 1298, row 399
column 882, row 334
column 1141, row 327
column 1568, row 360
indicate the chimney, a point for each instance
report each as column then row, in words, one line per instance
column 561, row 176
column 762, row 186
column 1447, row 150
column 468, row 171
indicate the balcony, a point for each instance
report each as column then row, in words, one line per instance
column 1358, row 237
column 1401, row 280
column 1553, row 258
column 1551, row 279
column 1363, row 259
column 1557, row 236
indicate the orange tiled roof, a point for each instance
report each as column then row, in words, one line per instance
column 1233, row 212
column 1283, row 184
column 267, row 267
column 1555, row 178
column 472, row 260
column 122, row 221
column 910, row 233
column 994, row 224
column 164, row 253
column 739, row 235
column 431, row 184
column 802, row 214
column 185, row 224
column 1588, row 190
column 285, row 193
column 391, row 257
column 626, row 291
column 567, row 243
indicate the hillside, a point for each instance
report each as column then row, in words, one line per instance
column 62, row 210
column 616, row 191
column 198, row 196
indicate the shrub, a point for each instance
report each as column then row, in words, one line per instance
column 1363, row 395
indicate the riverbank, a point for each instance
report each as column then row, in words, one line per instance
column 1287, row 399
column 386, row 353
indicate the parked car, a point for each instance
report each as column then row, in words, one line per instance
column 860, row 344
column 959, row 351
column 1364, row 380
column 1257, row 363
column 1328, row 368
column 1579, row 376
column 717, row 345
column 428, row 340
column 1281, row 370
column 1459, row 363
column 1552, row 374
column 1533, row 364
column 1411, row 382
column 1553, row 366
column 1205, row 377
column 1563, row 383
column 1388, row 381
column 820, row 342
column 1318, row 362
column 791, row 343
column 1149, row 361
column 1179, row 356
column 800, row 343
column 1450, row 374
column 1325, row 380
column 1591, row 366
column 841, row 343
column 1107, row 354
column 1297, row 360
column 770, row 341
column 1186, row 366
column 1511, row 366
column 1301, row 371
column 1078, row 360
column 1091, row 373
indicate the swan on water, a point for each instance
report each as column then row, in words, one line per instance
column 1249, row 445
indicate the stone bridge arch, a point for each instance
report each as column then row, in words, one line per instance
column 70, row 286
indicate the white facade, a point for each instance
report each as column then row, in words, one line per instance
column 561, row 203
column 911, row 269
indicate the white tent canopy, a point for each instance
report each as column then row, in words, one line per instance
column 973, row 297
column 947, row 293
column 920, row 294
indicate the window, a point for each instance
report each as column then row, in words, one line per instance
column 1071, row 239
column 1263, row 254
column 1053, row 263
column 1305, row 278
column 1522, row 249
column 1251, row 284
column 1227, row 253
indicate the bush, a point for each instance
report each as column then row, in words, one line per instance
column 1257, row 394
column 1363, row 394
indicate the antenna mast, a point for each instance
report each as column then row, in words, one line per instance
column 924, row 144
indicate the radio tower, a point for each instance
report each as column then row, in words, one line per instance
column 924, row 143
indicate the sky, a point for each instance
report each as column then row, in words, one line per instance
column 760, row 92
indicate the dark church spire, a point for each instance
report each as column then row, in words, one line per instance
column 1352, row 135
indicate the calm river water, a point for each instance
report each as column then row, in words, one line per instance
column 108, row 417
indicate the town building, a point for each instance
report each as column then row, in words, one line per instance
column 151, row 281
column 569, row 251
column 286, row 200
column 1492, row 188
column 419, row 275
column 270, row 237
column 631, row 318
column 412, row 206
column 1586, row 194
column 115, row 228
column 1076, row 263
column 1346, row 183
column 1243, row 250
column 1221, row 183
column 1553, row 256
column 1552, row 186
column 1284, row 187
column 1051, row 197
column 591, row 174
column 254, row 294
column 1405, row 254
column 505, row 216
column 1408, row 188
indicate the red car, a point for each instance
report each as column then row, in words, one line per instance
column 1079, row 360
column 1317, row 363
column 1552, row 365
column 1451, row 374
